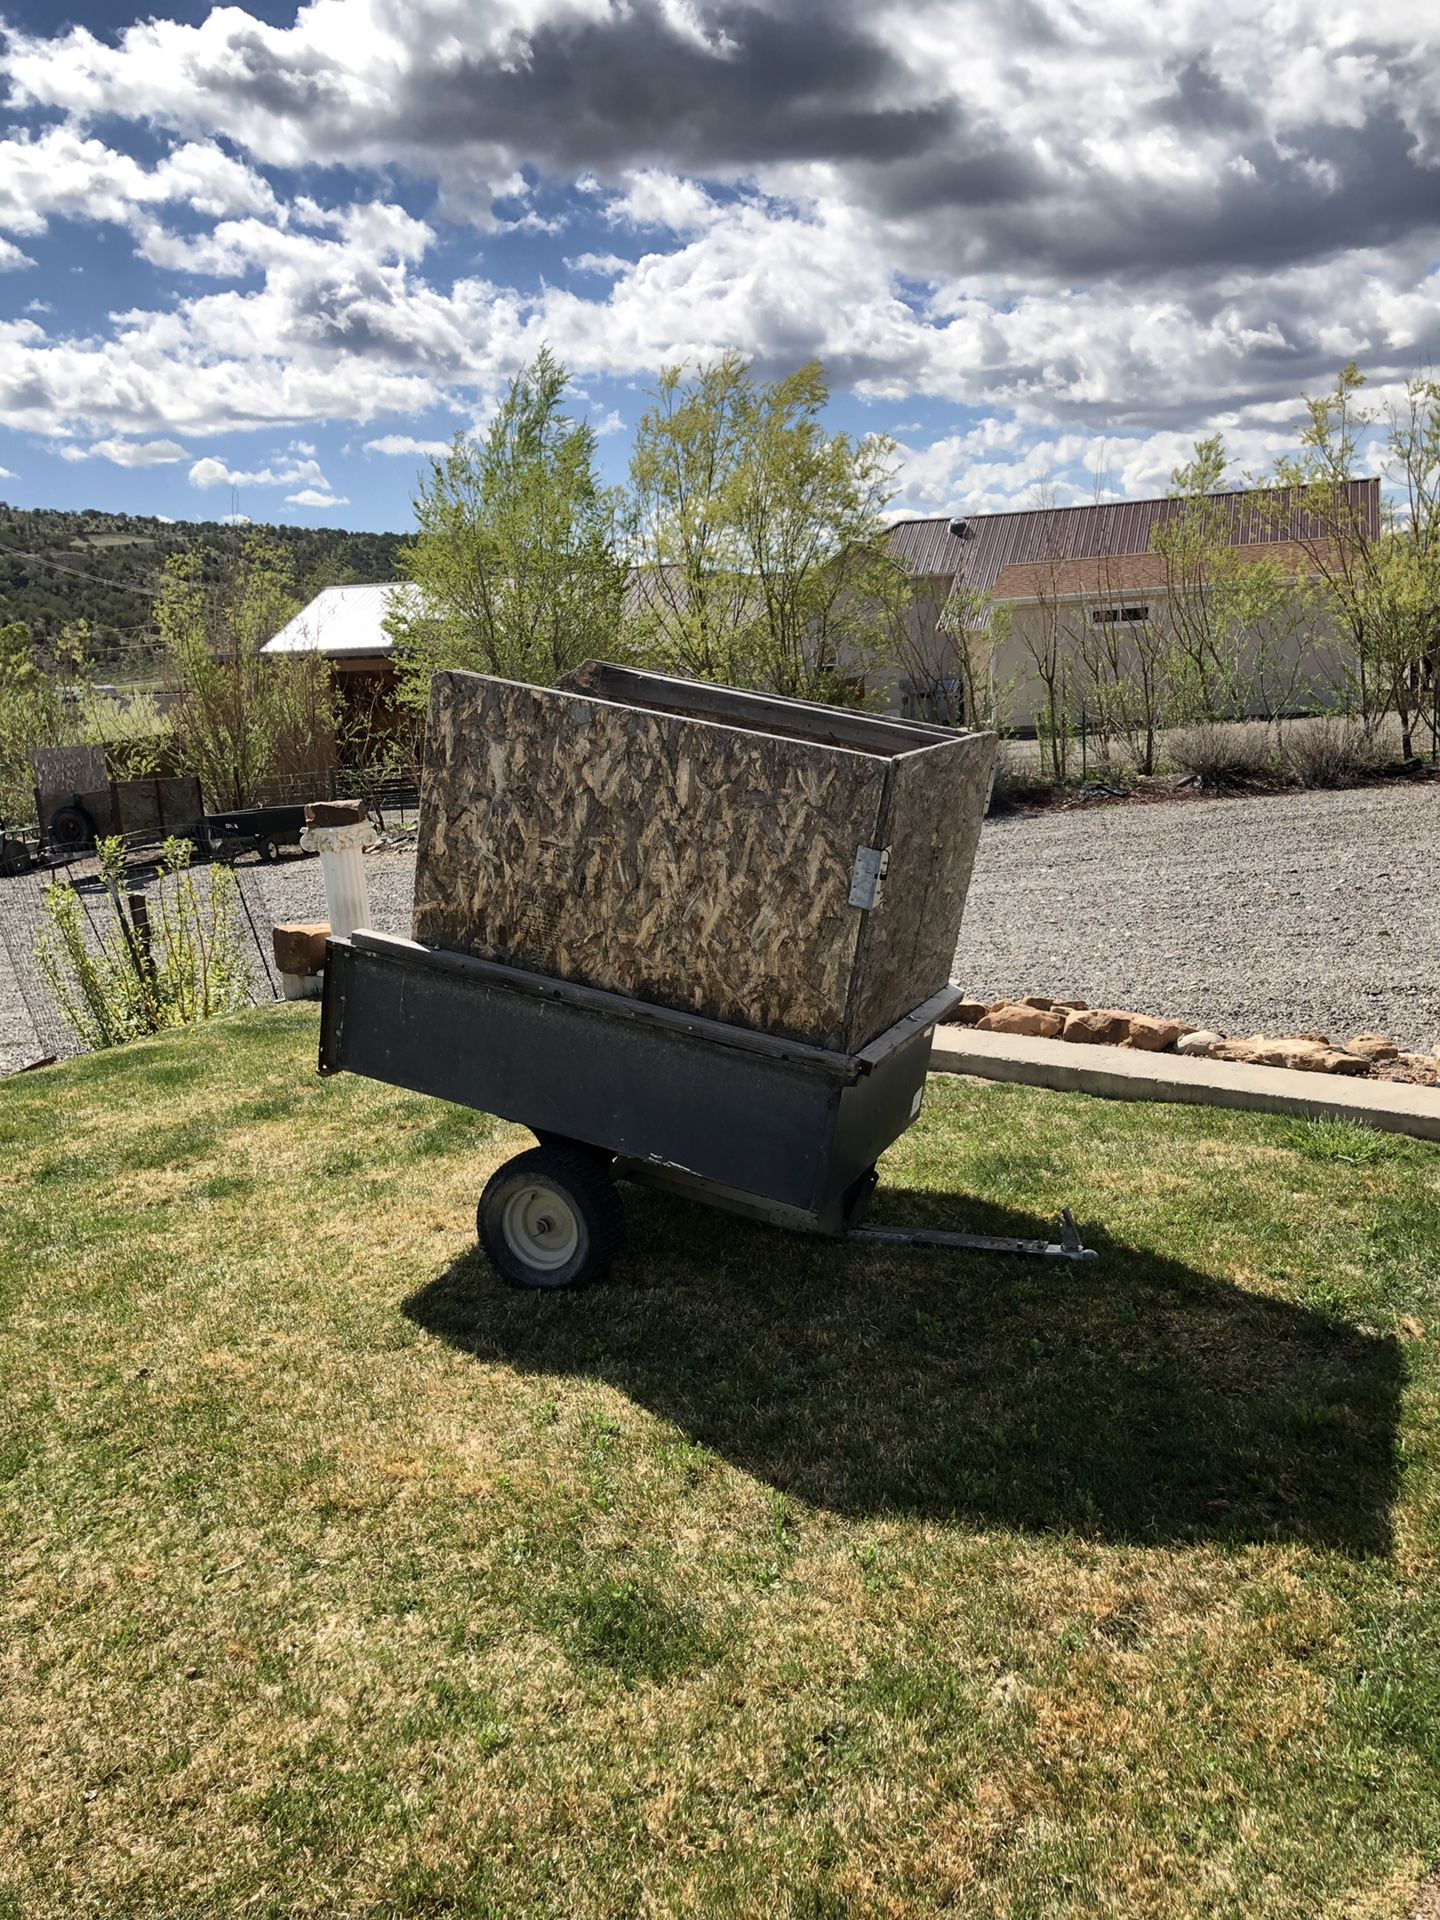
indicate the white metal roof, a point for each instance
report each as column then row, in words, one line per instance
column 342, row 622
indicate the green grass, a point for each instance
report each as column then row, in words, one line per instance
column 772, row 1577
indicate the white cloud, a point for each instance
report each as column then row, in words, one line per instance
column 210, row 472
column 66, row 174
column 6, row 474
column 135, row 453
column 607, row 265
column 653, row 198
column 402, row 443
column 316, row 497
column 12, row 259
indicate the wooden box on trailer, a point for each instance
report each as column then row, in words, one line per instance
column 780, row 865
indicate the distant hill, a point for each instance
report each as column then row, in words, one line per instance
column 57, row 568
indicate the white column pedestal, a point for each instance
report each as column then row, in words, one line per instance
column 342, row 864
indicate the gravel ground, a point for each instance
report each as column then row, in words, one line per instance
column 1297, row 913
column 1307, row 912
column 293, row 889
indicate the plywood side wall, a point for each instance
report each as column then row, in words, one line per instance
column 694, row 865
column 932, row 828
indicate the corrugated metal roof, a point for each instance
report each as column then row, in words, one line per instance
column 995, row 541
column 342, row 622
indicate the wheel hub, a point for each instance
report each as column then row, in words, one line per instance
column 540, row 1227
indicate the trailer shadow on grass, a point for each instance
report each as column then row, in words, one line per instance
column 1132, row 1398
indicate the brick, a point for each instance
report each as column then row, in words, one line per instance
column 1097, row 1026
column 300, row 945
column 1029, row 1021
column 336, row 813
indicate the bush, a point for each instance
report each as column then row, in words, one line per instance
column 1332, row 751
column 1019, row 780
column 1229, row 754
column 133, row 731
column 179, row 962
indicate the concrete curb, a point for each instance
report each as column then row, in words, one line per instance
column 1115, row 1073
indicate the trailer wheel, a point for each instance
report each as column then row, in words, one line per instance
column 268, row 850
column 72, row 827
column 551, row 1218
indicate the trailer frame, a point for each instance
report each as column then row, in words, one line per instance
column 775, row 1129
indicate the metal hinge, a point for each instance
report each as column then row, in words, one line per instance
column 871, row 866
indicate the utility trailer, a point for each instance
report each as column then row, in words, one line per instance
column 263, row 830
column 619, row 1089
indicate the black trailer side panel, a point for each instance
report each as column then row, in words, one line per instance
column 748, row 1120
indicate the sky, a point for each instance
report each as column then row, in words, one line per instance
column 262, row 259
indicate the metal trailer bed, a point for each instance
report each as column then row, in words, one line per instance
column 262, row 830
column 615, row 1088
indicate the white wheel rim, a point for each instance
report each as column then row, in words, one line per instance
column 540, row 1227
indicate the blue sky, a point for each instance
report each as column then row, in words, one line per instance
column 261, row 258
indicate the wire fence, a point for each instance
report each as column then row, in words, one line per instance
column 33, row 1030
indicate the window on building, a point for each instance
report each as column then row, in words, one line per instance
column 1111, row 616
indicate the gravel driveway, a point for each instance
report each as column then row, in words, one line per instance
column 1302, row 912
column 1306, row 912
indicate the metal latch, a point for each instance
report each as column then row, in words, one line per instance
column 871, row 866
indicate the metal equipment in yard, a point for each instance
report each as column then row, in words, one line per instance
column 652, row 928
column 619, row 1089
column 262, row 830
column 77, row 803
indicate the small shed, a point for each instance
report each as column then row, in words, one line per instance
column 346, row 626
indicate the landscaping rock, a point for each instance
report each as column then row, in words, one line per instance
column 1068, row 1006
column 1373, row 1046
column 336, row 813
column 1296, row 1051
column 1029, row 1021
column 299, row 945
column 1150, row 1036
column 1200, row 1042
column 1097, row 1026
column 965, row 1013
column 1411, row 1069
column 1038, row 1001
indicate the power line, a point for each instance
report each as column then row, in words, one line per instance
column 95, row 579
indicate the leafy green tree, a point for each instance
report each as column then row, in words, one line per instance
column 1382, row 583
column 1242, row 626
column 520, row 560
column 242, row 720
column 32, row 714
column 760, row 536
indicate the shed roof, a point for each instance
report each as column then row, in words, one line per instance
column 995, row 542
column 342, row 622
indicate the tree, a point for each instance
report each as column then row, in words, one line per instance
column 1242, row 625
column 1323, row 514
column 1382, row 582
column 760, row 537
column 32, row 714
column 242, row 720
column 520, row 559
column 1409, row 574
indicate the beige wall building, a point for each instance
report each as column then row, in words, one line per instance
column 1085, row 593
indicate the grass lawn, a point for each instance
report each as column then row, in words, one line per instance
column 769, row 1578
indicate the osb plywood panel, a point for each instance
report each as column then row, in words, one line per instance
column 696, row 865
column 932, row 827
column 67, row 770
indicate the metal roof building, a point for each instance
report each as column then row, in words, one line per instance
column 344, row 623
column 999, row 553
